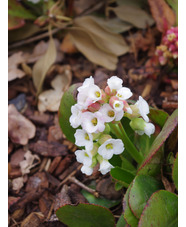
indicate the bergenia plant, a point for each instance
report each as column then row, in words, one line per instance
column 114, row 133
column 97, row 116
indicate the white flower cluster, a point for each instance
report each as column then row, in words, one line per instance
column 96, row 108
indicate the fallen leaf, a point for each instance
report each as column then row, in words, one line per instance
column 13, row 62
column 84, row 44
column 33, row 219
column 16, row 158
column 15, row 22
column 42, row 66
column 133, row 15
column 12, row 200
column 20, row 129
column 106, row 41
column 50, row 99
column 163, row 15
column 17, row 183
column 29, row 163
column 67, row 45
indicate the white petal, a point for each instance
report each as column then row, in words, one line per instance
column 87, row 170
column 87, row 83
column 149, row 129
column 124, row 93
column 119, row 115
column 118, row 105
column 143, row 108
column 107, row 112
column 114, row 83
column 118, row 146
column 105, row 167
column 80, row 139
column 80, row 155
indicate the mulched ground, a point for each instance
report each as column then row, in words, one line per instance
column 56, row 178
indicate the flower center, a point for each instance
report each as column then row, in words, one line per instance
column 87, row 136
column 97, row 93
column 119, row 95
column 94, row 121
column 117, row 105
column 86, row 155
column 111, row 113
column 109, row 146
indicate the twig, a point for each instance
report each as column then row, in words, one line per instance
column 92, row 191
column 70, row 175
column 50, row 212
column 33, row 39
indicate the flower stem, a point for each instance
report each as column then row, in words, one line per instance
column 137, row 156
column 119, row 131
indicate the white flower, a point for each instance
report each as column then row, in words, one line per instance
column 83, row 139
column 84, row 157
column 105, row 166
column 111, row 147
column 87, row 170
column 118, row 105
column 87, row 83
column 149, row 129
column 109, row 114
column 75, row 118
column 114, row 83
column 124, row 93
column 143, row 108
column 92, row 122
column 89, row 95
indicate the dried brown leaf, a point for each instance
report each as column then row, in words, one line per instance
column 13, row 62
column 42, row 66
column 17, row 183
column 162, row 14
column 20, row 129
column 133, row 15
column 50, row 99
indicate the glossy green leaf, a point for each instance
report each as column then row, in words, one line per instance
column 152, row 164
column 175, row 171
column 128, row 215
column 158, row 116
column 161, row 210
column 85, row 215
column 124, row 177
column 134, row 15
column 42, row 66
column 68, row 99
column 100, row 201
column 17, row 10
column 142, row 188
column 121, row 222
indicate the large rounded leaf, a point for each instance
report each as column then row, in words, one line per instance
column 85, row 215
column 161, row 210
column 128, row 215
column 175, row 171
column 68, row 99
column 142, row 188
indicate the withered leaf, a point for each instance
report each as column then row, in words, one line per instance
column 162, row 14
column 42, row 66
column 133, row 15
column 20, row 129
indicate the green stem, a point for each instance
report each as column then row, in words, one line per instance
column 137, row 156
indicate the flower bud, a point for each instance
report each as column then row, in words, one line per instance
column 104, row 138
column 137, row 124
column 94, row 107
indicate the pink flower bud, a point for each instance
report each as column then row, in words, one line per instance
column 94, row 107
column 112, row 100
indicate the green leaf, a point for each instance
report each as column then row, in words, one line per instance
column 17, row 10
column 124, row 177
column 100, row 201
column 85, row 215
column 161, row 210
column 42, row 66
column 121, row 222
column 68, row 99
column 128, row 215
column 134, row 15
column 175, row 172
column 158, row 116
column 116, row 161
column 152, row 164
column 142, row 188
